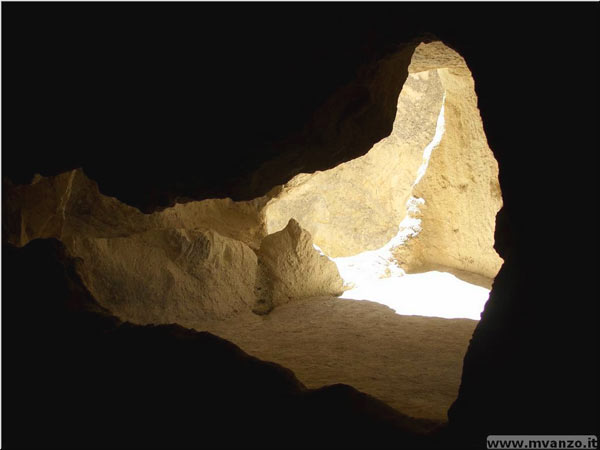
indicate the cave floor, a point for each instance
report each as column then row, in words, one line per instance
column 412, row 363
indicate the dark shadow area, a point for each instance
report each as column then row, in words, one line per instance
column 161, row 101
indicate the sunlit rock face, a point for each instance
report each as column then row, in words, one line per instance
column 192, row 262
column 213, row 258
column 359, row 205
column 179, row 265
column 70, row 204
column 460, row 186
column 291, row 268
column 169, row 275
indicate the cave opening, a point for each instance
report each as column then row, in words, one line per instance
column 155, row 297
column 390, row 273
column 376, row 276
column 408, row 228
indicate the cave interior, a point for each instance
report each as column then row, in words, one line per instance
column 298, row 226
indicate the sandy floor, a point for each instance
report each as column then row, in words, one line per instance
column 412, row 363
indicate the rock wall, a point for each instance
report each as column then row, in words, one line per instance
column 200, row 255
column 358, row 205
column 292, row 268
column 169, row 275
column 70, row 204
column 185, row 264
column 460, row 186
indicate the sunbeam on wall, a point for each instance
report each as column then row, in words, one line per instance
column 375, row 276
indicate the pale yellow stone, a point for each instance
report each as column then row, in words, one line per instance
column 199, row 259
column 169, row 275
column 460, row 187
column 291, row 268
column 192, row 262
column 70, row 204
column 358, row 205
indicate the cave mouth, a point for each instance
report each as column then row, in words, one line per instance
column 403, row 227
column 427, row 288
column 410, row 228
column 375, row 275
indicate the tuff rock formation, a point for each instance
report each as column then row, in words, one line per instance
column 192, row 262
column 170, row 275
column 460, row 186
column 291, row 268
column 217, row 257
column 71, row 204
column 358, row 205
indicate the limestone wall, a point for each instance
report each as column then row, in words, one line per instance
column 460, row 187
column 292, row 268
column 358, row 205
column 192, row 262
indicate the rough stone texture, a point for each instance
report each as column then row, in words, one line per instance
column 165, row 267
column 358, row 205
column 241, row 221
column 195, row 261
column 34, row 211
column 169, row 275
column 460, row 187
column 291, row 268
column 434, row 55
column 70, row 204
column 412, row 363
column 351, row 208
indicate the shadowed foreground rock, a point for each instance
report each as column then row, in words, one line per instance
column 81, row 378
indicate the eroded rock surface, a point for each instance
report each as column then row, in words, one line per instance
column 460, row 186
column 291, row 268
column 70, row 204
column 196, row 261
column 358, row 205
column 169, row 275
column 214, row 258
